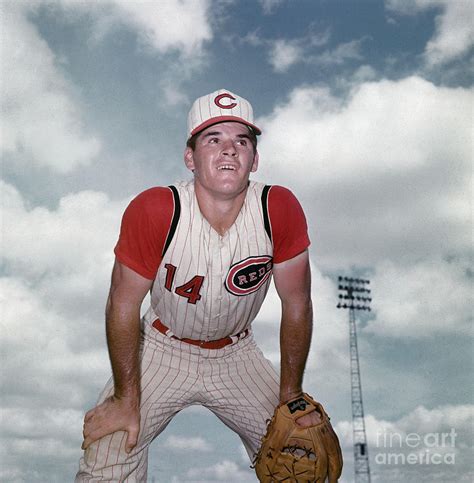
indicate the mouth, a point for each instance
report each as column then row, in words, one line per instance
column 226, row 167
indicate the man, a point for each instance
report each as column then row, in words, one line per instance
column 206, row 250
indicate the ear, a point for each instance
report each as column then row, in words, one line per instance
column 255, row 163
column 189, row 158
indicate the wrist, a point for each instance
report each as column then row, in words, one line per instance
column 289, row 395
column 131, row 400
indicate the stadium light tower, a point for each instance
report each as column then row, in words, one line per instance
column 354, row 294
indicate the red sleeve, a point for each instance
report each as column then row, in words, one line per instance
column 288, row 224
column 143, row 232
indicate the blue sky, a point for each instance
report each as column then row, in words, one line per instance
column 366, row 108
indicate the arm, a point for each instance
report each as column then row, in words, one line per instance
column 120, row 412
column 293, row 283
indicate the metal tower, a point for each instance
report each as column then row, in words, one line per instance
column 354, row 295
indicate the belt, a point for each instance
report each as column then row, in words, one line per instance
column 205, row 344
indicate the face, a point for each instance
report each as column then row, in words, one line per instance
column 222, row 159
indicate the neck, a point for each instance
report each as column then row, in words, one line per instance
column 220, row 212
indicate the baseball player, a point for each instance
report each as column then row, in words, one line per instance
column 206, row 250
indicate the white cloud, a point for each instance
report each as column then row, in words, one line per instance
column 383, row 173
column 56, row 270
column 182, row 26
column 340, row 54
column 454, row 31
column 330, row 325
column 52, row 368
column 40, row 118
column 225, row 470
column 443, row 431
column 173, row 95
column 29, row 425
column 284, row 54
column 76, row 238
column 425, row 420
column 168, row 25
column 328, row 361
column 60, row 263
column 41, row 115
column 421, row 300
column 57, row 358
column 269, row 6
column 385, row 125
column 183, row 443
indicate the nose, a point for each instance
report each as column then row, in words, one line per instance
column 229, row 149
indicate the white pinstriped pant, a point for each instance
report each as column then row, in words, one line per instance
column 236, row 383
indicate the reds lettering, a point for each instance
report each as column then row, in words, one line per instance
column 248, row 275
column 217, row 101
column 252, row 276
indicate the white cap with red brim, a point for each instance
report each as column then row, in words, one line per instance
column 220, row 106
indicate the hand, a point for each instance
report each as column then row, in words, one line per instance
column 311, row 419
column 114, row 414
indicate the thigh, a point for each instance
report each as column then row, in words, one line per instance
column 243, row 392
column 166, row 388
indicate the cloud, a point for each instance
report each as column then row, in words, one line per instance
column 50, row 354
column 56, row 269
column 46, row 383
column 225, row 470
column 284, row 54
column 269, row 6
column 42, row 113
column 421, row 300
column 60, row 244
column 454, row 34
column 438, row 437
column 41, row 119
column 181, row 25
column 56, row 266
column 383, row 173
column 340, row 54
column 28, row 425
column 187, row 444
column 328, row 359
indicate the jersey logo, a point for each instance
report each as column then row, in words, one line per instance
column 248, row 275
column 218, row 103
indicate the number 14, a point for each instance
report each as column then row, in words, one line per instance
column 189, row 290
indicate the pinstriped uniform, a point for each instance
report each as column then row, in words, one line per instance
column 236, row 382
column 198, row 250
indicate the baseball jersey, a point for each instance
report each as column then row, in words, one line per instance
column 208, row 286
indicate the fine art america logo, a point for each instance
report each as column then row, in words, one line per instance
column 415, row 448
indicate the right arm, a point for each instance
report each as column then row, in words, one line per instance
column 121, row 411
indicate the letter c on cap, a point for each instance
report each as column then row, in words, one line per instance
column 217, row 101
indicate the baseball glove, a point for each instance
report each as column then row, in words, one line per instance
column 293, row 454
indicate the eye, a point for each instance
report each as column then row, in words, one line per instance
column 213, row 140
column 242, row 142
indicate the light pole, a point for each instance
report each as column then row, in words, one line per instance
column 354, row 294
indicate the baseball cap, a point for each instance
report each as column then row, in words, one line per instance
column 219, row 106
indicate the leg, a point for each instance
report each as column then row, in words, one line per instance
column 166, row 389
column 243, row 393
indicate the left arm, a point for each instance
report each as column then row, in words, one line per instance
column 293, row 284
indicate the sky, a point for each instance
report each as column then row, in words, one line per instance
column 366, row 108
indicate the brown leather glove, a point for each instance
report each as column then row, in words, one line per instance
column 294, row 454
